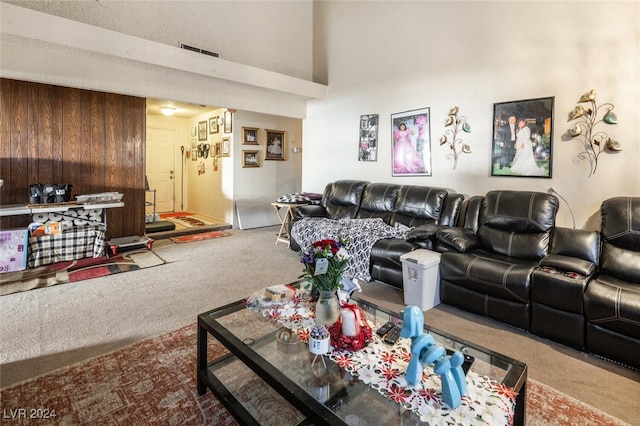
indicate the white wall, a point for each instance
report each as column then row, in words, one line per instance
column 388, row 57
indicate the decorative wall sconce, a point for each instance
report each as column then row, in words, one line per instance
column 594, row 143
column 451, row 135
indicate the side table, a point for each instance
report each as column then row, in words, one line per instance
column 285, row 214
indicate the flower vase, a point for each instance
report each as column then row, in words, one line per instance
column 327, row 308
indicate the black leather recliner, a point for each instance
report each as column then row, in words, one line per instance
column 486, row 266
column 559, row 283
column 612, row 298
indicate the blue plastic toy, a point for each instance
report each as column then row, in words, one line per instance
column 424, row 351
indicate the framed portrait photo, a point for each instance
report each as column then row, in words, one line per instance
column 275, row 144
column 250, row 159
column 522, row 138
column 213, row 125
column 411, row 143
column 368, row 146
column 226, row 147
column 202, row 131
column 250, row 136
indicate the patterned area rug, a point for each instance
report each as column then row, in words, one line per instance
column 153, row 382
column 189, row 221
column 199, row 237
column 77, row 270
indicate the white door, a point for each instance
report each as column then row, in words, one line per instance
column 160, row 154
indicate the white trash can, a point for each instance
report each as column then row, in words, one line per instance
column 421, row 278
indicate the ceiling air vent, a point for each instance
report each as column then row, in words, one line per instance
column 197, row 49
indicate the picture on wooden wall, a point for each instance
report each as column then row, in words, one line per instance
column 250, row 136
column 202, row 131
column 368, row 148
column 275, row 144
column 411, row 143
column 522, row 138
column 250, row 159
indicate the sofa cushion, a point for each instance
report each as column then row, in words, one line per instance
column 378, row 200
column 461, row 239
column 519, row 211
column 417, row 205
column 613, row 304
column 341, row 199
column 488, row 273
column 533, row 246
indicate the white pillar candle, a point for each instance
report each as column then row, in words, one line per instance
column 348, row 322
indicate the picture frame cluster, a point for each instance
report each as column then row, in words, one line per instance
column 521, row 142
column 275, row 142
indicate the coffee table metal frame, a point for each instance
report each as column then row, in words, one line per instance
column 314, row 411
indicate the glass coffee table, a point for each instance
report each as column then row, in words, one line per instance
column 266, row 375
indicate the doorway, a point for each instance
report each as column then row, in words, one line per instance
column 160, row 166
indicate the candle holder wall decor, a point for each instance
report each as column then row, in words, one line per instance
column 451, row 135
column 594, row 143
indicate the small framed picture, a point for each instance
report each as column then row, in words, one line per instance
column 250, row 136
column 226, row 147
column 194, row 155
column 213, row 125
column 228, row 124
column 202, row 131
column 217, row 149
column 522, row 138
column 275, row 144
column 368, row 147
column 194, row 132
column 411, row 142
column 194, row 143
column 250, row 159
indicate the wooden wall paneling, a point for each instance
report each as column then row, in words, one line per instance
column 57, row 140
column 32, row 118
column 93, row 140
column 98, row 154
column 70, row 157
column 44, row 142
column 114, row 169
column 5, row 146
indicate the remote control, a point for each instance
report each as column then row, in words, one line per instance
column 385, row 328
column 393, row 336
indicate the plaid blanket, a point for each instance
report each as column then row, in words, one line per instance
column 76, row 243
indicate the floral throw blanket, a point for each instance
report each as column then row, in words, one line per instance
column 362, row 234
column 383, row 368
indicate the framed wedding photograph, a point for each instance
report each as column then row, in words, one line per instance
column 250, row 159
column 228, row 122
column 202, row 131
column 226, row 147
column 368, row 147
column 213, row 125
column 250, row 136
column 411, row 143
column 522, row 138
column 275, row 144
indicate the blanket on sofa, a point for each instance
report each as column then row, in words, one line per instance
column 362, row 234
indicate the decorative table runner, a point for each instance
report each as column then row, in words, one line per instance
column 383, row 367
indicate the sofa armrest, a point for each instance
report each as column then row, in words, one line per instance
column 311, row 210
column 427, row 231
column 461, row 239
column 568, row 264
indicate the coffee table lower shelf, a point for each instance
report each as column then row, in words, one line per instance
column 257, row 367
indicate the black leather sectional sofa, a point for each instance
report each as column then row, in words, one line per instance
column 503, row 257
